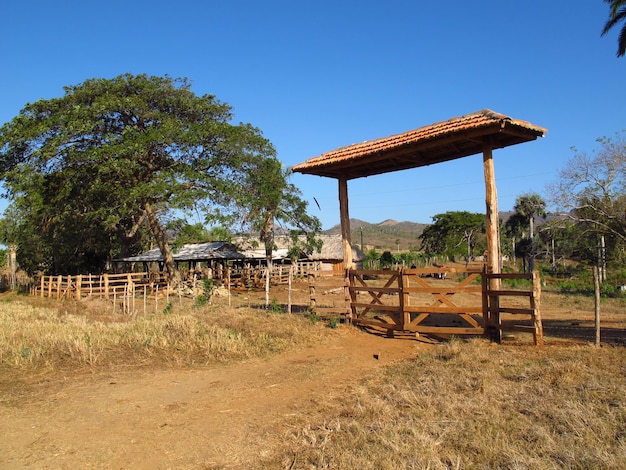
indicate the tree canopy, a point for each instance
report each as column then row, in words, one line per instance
column 86, row 171
column 454, row 233
column 617, row 15
column 591, row 194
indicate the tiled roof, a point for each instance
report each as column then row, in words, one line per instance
column 447, row 140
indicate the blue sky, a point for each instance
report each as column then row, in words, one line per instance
column 315, row 76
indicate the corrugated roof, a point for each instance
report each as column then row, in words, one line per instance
column 447, row 140
column 191, row 252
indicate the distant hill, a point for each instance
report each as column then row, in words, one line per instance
column 384, row 236
column 390, row 234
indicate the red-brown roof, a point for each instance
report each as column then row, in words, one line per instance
column 447, row 140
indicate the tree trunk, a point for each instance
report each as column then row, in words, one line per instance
column 159, row 234
column 267, row 236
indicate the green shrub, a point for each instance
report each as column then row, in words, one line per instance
column 275, row 307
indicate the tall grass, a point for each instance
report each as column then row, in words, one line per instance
column 474, row 405
column 36, row 338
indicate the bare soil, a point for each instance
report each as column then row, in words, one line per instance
column 223, row 416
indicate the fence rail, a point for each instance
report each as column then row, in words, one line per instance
column 102, row 286
column 441, row 300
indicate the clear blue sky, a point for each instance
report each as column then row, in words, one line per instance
column 315, row 76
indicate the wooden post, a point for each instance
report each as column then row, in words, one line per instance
column 596, row 297
column 344, row 218
column 106, row 286
column 59, row 286
column 404, row 298
column 312, row 291
column 493, row 236
column 43, row 283
column 79, row 282
column 289, row 282
column 346, row 241
column 536, row 306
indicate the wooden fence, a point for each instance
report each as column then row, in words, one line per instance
column 106, row 286
column 110, row 286
column 446, row 301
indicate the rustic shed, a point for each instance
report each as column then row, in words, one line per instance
column 330, row 258
column 191, row 253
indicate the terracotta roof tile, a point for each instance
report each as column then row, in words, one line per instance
column 446, row 140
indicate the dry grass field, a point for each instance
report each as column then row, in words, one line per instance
column 213, row 386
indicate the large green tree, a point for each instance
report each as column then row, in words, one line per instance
column 617, row 15
column 270, row 199
column 454, row 233
column 113, row 154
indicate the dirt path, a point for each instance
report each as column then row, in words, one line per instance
column 222, row 416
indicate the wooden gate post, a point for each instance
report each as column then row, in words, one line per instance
column 493, row 238
column 536, row 306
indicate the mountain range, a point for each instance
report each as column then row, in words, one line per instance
column 389, row 235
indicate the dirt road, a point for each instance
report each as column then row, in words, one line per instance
column 219, row 417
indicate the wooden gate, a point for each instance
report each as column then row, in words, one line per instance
column 446, row 301
column 426, row 300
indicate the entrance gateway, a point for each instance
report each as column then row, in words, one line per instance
column 479, row 132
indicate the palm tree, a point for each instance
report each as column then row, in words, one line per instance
column 528, row 206
column 617, row 15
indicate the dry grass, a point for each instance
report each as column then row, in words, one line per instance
column 472, row 404
column 46, row 336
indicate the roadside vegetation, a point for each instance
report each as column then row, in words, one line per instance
column 48, row 337
column 472, row 404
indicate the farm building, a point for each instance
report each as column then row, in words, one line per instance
column 245, row 252
column 330, row 258
column 212, row 256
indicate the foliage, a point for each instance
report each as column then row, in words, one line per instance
column 269, row 198
column 591, row 192
column 455, row 233
column 617, row 15
column 94, row 165
column 527, row 206
column 275, row 307
column 386, row 260
column 184, row 233
column 372, row 258
column 207, row 292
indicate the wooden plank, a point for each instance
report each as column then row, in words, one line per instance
column 387, row 308
column 383, row 290
column 419, row 319
column 523, row 276
column 387, row 326
column 517, row 311
column 431, row 310
column 519, row 293
column 444, row 290
column 431, row 270
column 448, row 330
